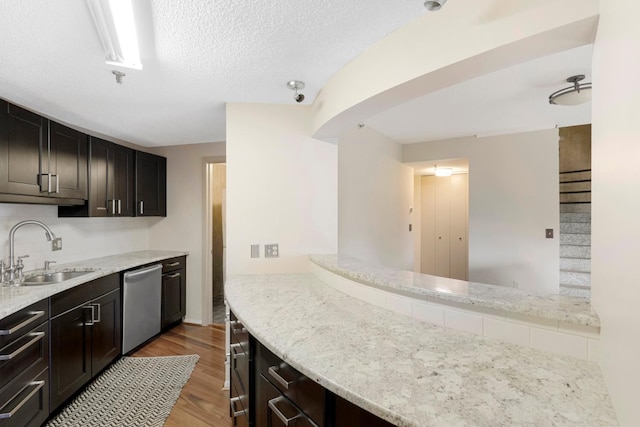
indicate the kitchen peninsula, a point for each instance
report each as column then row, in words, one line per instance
column 410, row 372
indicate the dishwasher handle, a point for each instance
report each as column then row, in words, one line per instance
column 133, row 275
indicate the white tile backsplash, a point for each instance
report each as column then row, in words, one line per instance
column 463, row 321
column 82, row 238
column 559, row 343
column 507, row 331
column 428, row 313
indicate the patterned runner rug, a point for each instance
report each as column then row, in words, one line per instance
column 133, row 392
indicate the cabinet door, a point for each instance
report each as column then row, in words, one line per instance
column 106, row 343
column 67, row 162
column 70, row 353
column 100, row 194
column 428, row 225
column 123, row 180
column 173, row 297
column 22, row 134
column 459, row 221
column 151, row 185
column 443, row 221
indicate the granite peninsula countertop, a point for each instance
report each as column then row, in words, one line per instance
column 519, row 301
column 413, row 373
column 15, row 298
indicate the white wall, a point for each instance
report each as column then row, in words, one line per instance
column 513, row 197
column 183, row 228
column 82, row 238
column 615, row 232
column 375, row 192
column 281, row 188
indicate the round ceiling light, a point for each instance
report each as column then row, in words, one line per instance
column 434, row 5
column 577, row 94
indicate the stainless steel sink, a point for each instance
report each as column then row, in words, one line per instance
column 55, row 277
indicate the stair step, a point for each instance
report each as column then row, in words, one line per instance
column 575, row 228
column 575, row 278
column 575, row 176
column 575, row 217
column 575, row 264
column 576, row 208
column 575, row 197
column 575, row 239
column 575, row 186
column 573, row 251
column 575, row 292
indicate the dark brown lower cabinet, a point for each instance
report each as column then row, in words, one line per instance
column 24, row 361
column 275, row 394
column 173, row 305
column 86, row 335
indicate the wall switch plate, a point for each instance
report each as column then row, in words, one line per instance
column 549, row 233
column 56, row 244
column 410, row 227
column 271, row 250
column 255, row 251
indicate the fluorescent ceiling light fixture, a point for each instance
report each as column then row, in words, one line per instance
column 443, row 171
column 117, row 30
column 577, row 94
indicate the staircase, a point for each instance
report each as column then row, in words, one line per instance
column 575, row 233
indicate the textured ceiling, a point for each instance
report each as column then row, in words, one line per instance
column 196, row 54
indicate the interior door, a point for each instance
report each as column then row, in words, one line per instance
column 459, row 226
column 428, row 225
column 443, row 222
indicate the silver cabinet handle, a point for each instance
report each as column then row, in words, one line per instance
column 119, row 207
column 98, row 318
column 172, row 276
column 235, row 413
column 240, row 330
column 141, row 207
column 287, row 421
column 57, row 183
column 38, row 385
column 173, row 264
column 235, row 354
column 273, row 371
column 113, row 207
column 91, row 307
column 37, row 336
column 35, row 315
column 49, row 183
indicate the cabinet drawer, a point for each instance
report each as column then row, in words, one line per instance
column 275, row 410
column 29, row 406
column 16, row 325
column 239, row 403
column 238, row 333
column 80, row 294
column 23, row 359
column 240, row 367
column 302, row 391
column 173, row 264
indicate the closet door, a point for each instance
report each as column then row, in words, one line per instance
column 428, row 225
column 443, row 222
column 459, row 226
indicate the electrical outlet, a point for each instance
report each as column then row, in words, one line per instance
column 548, row 233
column 271, row 250
column 255, row 251
column 56, row 244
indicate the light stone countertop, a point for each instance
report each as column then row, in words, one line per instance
column 519, row 301
column 413, row 373
column 15, row 298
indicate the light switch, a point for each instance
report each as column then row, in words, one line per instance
column 549, row 233
column 255, row 251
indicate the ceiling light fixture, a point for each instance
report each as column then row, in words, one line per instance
column 443, row 171
column 296, row 85
column 434, row 5
column 117, row 30
column 577, row 94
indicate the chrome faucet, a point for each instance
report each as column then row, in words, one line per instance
column 12, row 267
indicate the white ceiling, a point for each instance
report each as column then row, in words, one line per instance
column 511, row 100
column 198, row 55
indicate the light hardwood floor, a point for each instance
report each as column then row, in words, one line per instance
column 202, row 401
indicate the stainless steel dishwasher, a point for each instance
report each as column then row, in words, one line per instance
column 141, row 306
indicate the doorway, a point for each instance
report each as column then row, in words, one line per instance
column 216, row 174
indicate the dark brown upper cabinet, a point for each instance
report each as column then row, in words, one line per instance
column 111, row 182
column 41, row 161
column 151, row 185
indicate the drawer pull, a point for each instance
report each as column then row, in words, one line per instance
column 173, row 264
column 273, row 371
column 273, row 405
column 235, row 413
column 37, row 336
column 35, row 315
column 38, row 384
column 91, row 307
column 172, row 276
column 240, row 330
column 237, row 354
